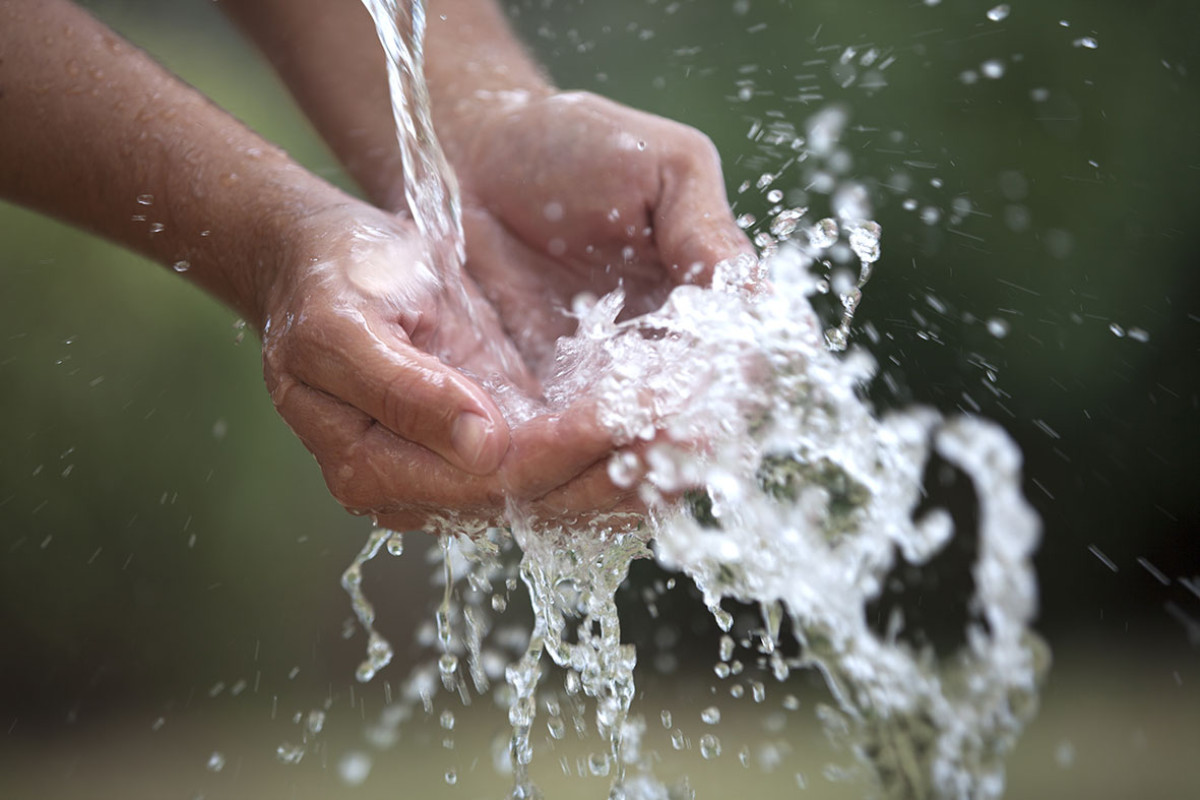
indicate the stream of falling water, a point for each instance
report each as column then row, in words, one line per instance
column 802, row 503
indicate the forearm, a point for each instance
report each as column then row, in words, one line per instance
column 328, row 54
column 96, row 133
column 472, row 62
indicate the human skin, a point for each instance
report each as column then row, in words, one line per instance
column 563, row 192
column 362, row 340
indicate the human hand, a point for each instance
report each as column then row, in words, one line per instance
column 566, row 193
column 369, row 354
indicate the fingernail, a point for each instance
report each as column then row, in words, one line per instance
column 469, row 438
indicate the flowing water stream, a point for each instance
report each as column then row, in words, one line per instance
column 802, row 503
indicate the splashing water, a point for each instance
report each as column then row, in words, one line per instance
column 797, row 500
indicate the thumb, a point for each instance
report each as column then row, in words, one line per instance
column 693, row 224
column 410, row 392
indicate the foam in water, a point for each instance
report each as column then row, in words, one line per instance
column 769, row 481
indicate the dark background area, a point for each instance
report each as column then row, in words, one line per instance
column 161, row 531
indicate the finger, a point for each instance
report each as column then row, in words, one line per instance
column 410, row 392
column 369, row 469
column 694, row 226
column 591, row 493
column 551, row 450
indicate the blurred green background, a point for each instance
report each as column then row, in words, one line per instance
column 163, row 535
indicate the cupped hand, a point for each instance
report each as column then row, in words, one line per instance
column 375, row 357
column 571, row 193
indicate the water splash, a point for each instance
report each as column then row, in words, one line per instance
column 808, row 500
column 797, row 498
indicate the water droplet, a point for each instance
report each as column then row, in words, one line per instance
column 824, row 234
column 157, row 227
column 666, row 719
column 395, row 544
column 726, row 647
column 775, row 196
column 447, row 719
column 997, row 327
column 711, row 715
column 289, row 753
column 556, row 727
column 216, row 762
column 999, row 13
column 710, row 746
column 181, row 266
column 993, row 68
column 354, row 768
column 451, row 777
column 598, row 764
column 745, row 221
column 1086, row 42
column 145, row 199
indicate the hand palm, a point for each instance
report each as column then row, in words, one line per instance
column 577, row 194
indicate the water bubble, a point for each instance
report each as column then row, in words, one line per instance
column 451, row 777
column 997, row 327
column 993, row 68
column 1116, row 330
column 145, row 199
column 447, row 720
column 745, row 221
column 678, row 741
column 216, row 762
column 157, row 227
column 315, row 722
column 499, row 603
column 395, row 543
column 181, row 266
column 711, row 715
column 1086, row 42
column 710, row 746
column 999, row 13
column 553, row 211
